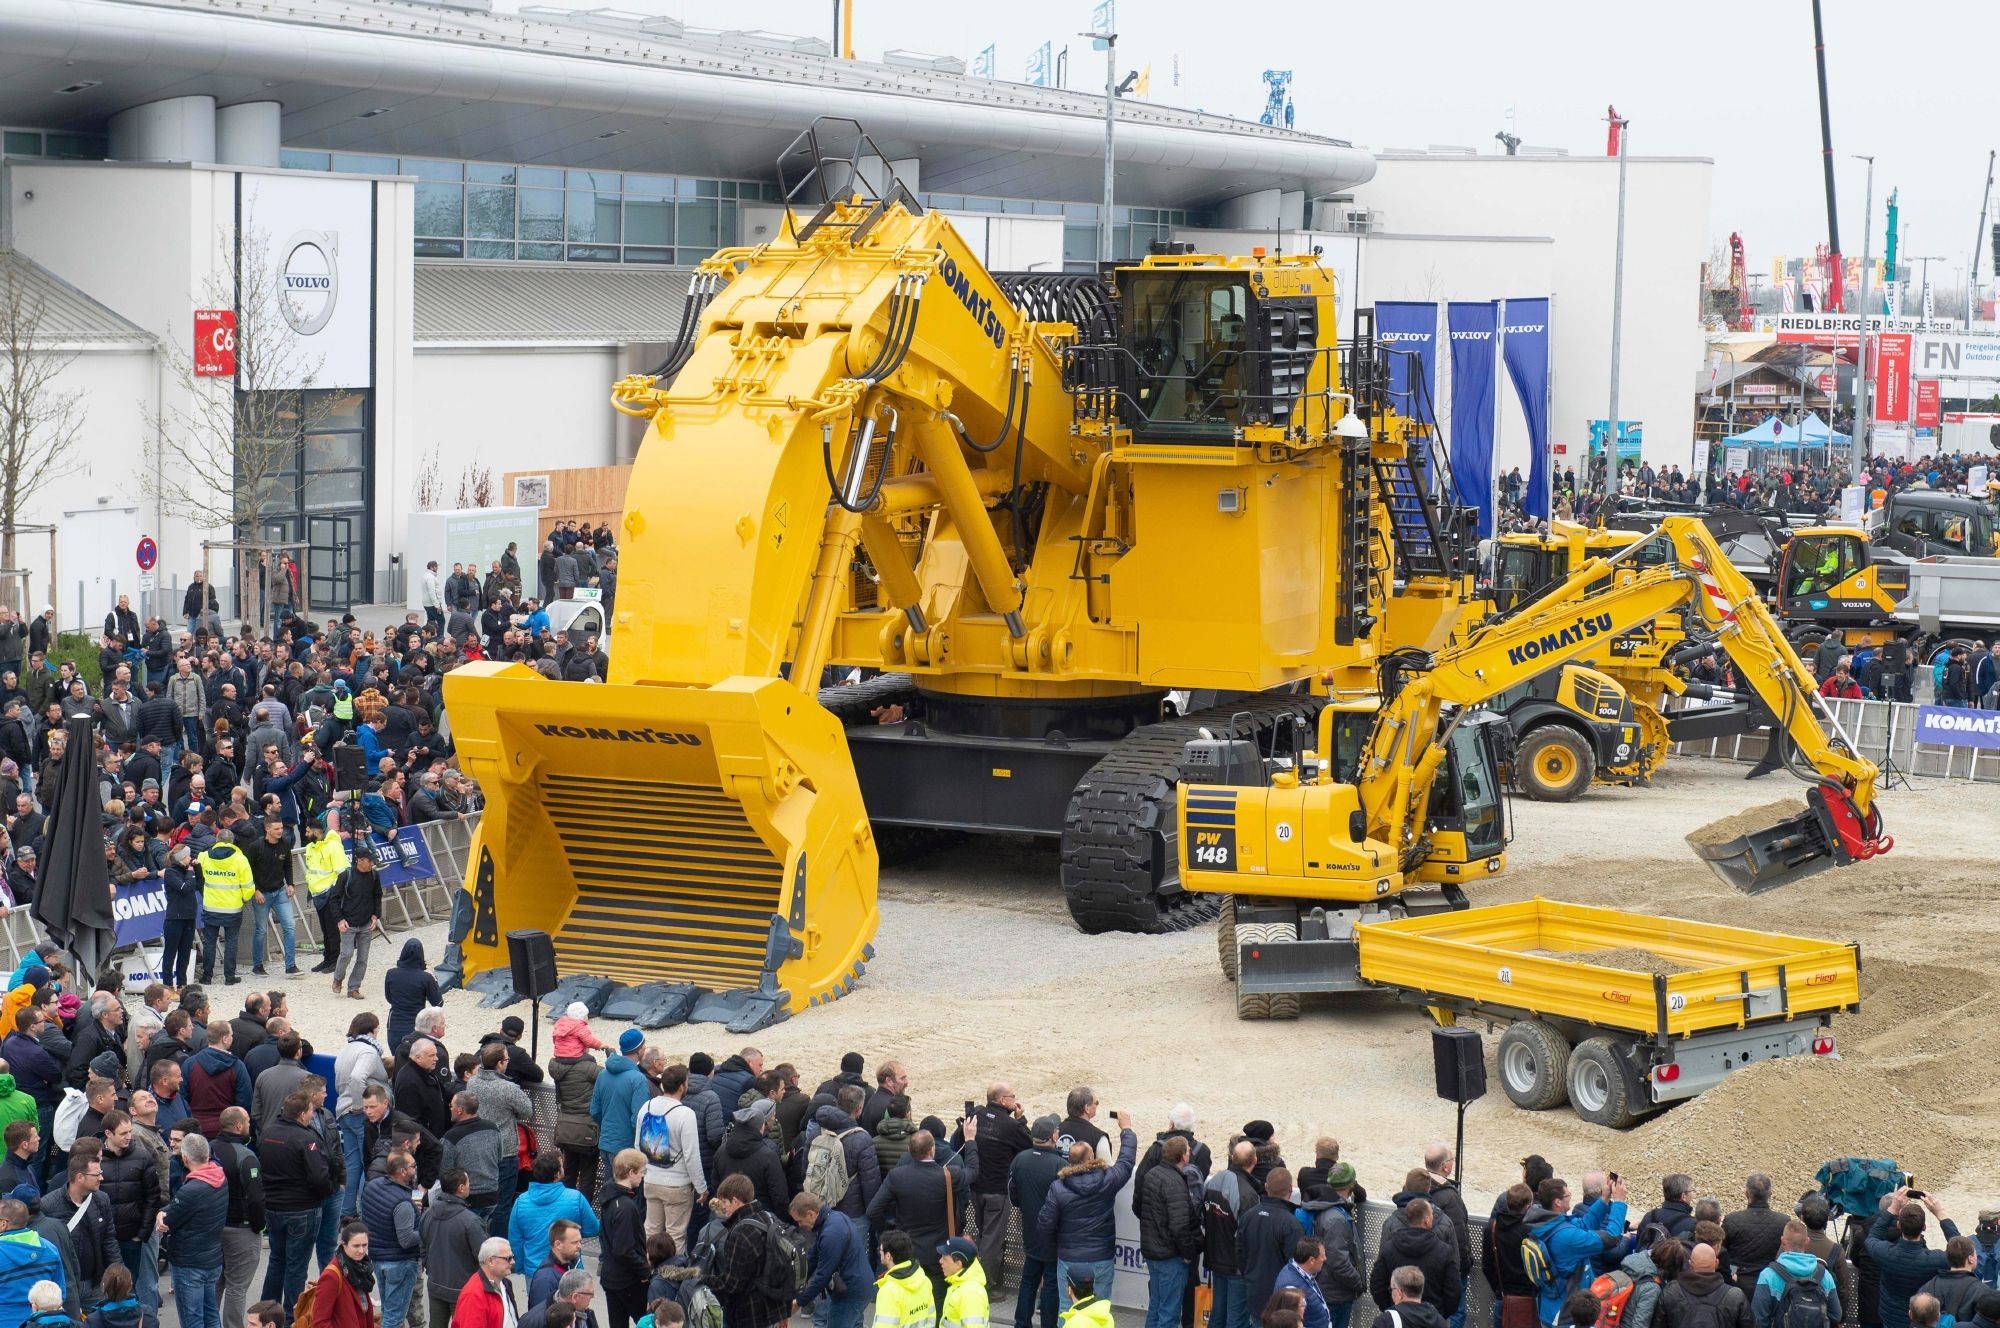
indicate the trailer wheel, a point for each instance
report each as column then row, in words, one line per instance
column 1553, row 764
column 1534, row 1064
column 1597, row 1085
column 1225, row 937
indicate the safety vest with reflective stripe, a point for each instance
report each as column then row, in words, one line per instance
column 226, row 880
column 903, row 1299
column 965, row 1300
column 1089, row 1312
column 343, row 707
column 326, row 859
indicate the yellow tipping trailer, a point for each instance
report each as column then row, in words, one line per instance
column 1615, row 1043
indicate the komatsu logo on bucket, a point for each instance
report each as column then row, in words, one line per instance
column 1549, row 642
column 975, row 304
column 660, row 736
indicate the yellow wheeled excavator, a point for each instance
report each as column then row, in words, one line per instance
column 1399, row 827
column 1032, row 506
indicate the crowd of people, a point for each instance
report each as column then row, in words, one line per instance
column 162, row 1155
column 492, row 618
column 1805, row 487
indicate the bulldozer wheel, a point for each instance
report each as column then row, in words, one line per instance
column 1225, row 938
column 1553, row 764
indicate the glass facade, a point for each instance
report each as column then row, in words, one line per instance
column 1133, row 229
column 492, row 210
column 50, row 143
column 316, row 488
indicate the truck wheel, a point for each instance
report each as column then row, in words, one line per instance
column 1553, row 764
column 1597, row 1085
column 1225, row 937
column 1534, row 1064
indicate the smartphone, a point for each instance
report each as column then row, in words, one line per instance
column 1914, row 1194
column 968, row 1110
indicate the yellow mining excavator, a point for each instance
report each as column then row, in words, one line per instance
column 1032, row 505
column 1314, row 852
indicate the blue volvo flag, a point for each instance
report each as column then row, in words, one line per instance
column 1525, row 347
column 1472, row 325
column 1408, row 329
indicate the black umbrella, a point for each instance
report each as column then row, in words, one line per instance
column 73, row 883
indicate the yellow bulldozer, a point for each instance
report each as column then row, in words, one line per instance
column 1029, row 507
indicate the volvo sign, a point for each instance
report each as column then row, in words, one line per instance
column 309, row 280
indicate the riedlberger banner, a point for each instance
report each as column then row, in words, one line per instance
column 1892, row 377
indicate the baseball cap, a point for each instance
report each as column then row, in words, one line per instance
column 756, row 1113
column 1045, row 1127
column 512, row 1026
column 958, row 1247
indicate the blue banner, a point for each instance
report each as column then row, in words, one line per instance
column 403, row 858
column 1948, row 726
column 1525, row 347
column 139, row 912
column 1472, row 326
column 1408, row 330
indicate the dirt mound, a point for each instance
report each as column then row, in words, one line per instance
column 1746, row 822
column 1629, row 959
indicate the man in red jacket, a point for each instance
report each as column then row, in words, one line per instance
column 487, row 1298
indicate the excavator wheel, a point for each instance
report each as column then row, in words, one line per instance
column 903, row 845
column 1553, row 764
column 1283, row 1004
column 1249, row 1005
column 1225, row 937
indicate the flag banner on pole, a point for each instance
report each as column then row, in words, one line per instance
column 1472, row 325
column 1408, row 329
column 1526, row 350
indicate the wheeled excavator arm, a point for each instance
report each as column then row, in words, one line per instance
column 1408, row 744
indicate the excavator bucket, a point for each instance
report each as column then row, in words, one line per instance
column 709, row 838
column 1792, row 842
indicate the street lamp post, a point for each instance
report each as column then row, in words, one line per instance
column 1622, row 126
column 1857, row 450
column 1110, row 40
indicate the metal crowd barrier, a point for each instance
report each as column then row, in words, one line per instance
column 1882, row 731
column 415, row 902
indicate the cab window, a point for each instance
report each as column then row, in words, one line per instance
column 1186, row 332
column 1814, row 564
column 1522, row 570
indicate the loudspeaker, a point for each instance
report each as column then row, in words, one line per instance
column 532, row 956
column 1460, row 1059
column 350, row 768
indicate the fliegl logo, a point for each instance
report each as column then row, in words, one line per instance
column 1591, row 624
column 659, row 737
column 981, row 308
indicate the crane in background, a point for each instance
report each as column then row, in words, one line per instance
column 1836, row 299
column 1277, row 98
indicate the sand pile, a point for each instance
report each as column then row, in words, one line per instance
column 1628, row 958
column 1747, row 822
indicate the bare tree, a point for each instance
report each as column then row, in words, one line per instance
column 475, row 486
column 40, row 424
column 430, row 484
column 228, row 457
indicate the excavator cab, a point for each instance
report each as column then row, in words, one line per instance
column 1827, row 574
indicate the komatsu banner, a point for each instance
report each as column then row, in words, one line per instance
column 1408, row 328
column 1949, row 726
column 1524, row 344
column 1472, row 327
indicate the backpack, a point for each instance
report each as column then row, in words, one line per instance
column 1804, row 1302
column 698, row 1303
column 783, row 1271
column 1614, row 1295
column 656, row 1136
column 1537, row 1262
column 1706, row 1311
column 1858, row 1184
column 827, row 1176
column 1218, row 1237
column 302, row 1312
column 69, row 1115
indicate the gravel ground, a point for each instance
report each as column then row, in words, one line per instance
column 981, row 976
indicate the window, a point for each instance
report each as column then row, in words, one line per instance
column 1814, row 564
column 423, row 169
column 88, row 146
column 441, row 210
column 355, row 163
column 1186, row 331
column 648, row 221
column 593, row 218
column 22, row 143
column 292, row 159
column 489, row 212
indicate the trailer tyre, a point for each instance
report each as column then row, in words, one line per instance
column 1597, row 1085
column 1554, row 764
column 1225, row 937
column 1534, row 1065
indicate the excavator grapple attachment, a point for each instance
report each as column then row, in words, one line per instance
column 1830, row 832
column 667, row 835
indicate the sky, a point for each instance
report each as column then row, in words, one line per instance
column 1912, row 83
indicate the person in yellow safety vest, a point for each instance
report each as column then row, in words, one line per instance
column 965, row 1302
column 903, row 1296
column 343, row 706
column 226, row 887
column 1086, row 1308
column 326, row 859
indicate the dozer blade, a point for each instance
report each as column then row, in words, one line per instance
column 1830, row 832
column 712, row 836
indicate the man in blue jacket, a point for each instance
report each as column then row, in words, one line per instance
column 25, row 1259
column 192, row 1223
column 1905, row 1263
column 1078, row 1216
column 615, row 1099
column 1793, row 1265
column 536, row 1211
column 1029, row 1178
column 837, row 1250
column 1576, row 1241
